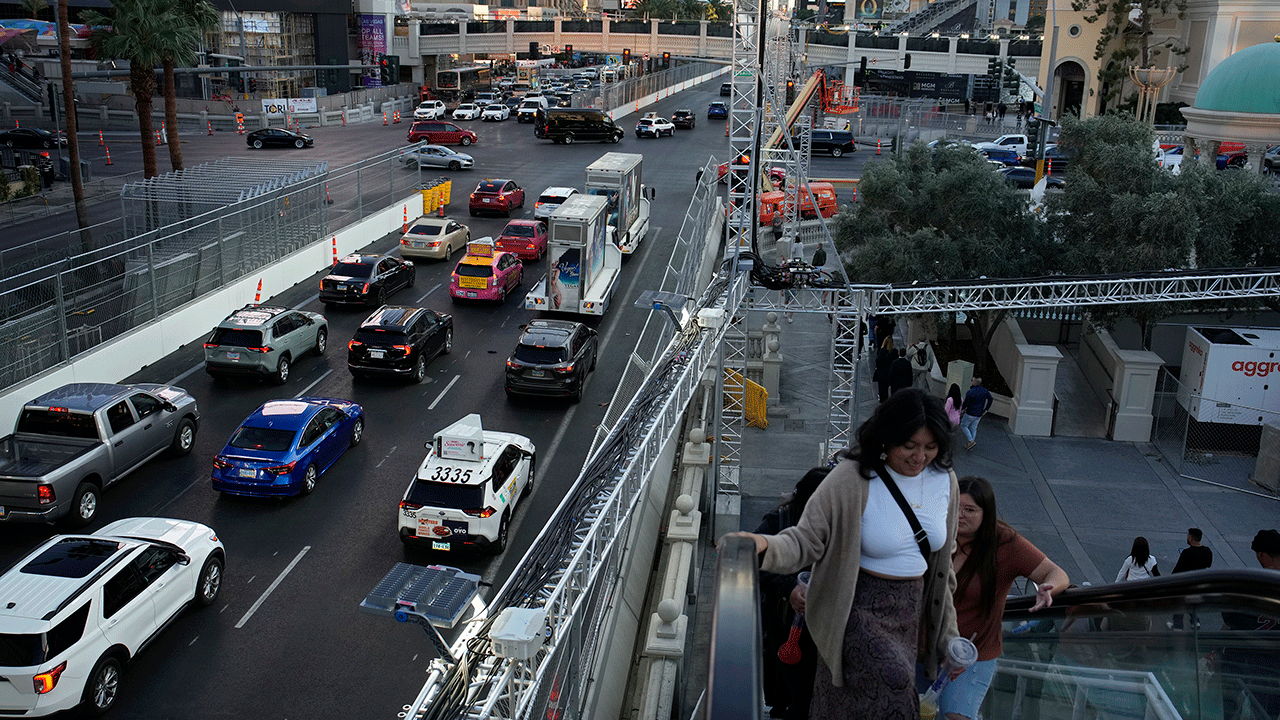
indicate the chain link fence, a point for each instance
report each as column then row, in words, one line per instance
column 55, row 312
column 1219, row 453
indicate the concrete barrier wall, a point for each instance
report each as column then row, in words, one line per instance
column 667, row 92
column 128, row 353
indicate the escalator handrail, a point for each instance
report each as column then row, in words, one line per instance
column 734, row 683
column 1253, row 589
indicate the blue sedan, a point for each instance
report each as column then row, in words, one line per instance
column 285, row 445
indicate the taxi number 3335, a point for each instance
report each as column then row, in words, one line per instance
column 454, row 474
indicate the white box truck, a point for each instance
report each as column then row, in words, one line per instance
column 617, row 176
column 582, row 265
column 1227, row 374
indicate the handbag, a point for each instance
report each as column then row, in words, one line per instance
column 920, row 536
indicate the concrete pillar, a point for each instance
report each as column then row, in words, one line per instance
column 772, row 359
column 960, row 373
column 1135, row 391
column 1033, row 390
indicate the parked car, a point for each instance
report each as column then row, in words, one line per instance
column 496, row 196
column 71, row 443
column 1271, row 160
column 427, row 155
column 283, row 448
column 429, row 110
column 277, row 137
column 365, row 279
column 80, row 607
column 552, row 357
column 399, row 341
column 439, row 132
column 1024, row 178
column 550, row 199
column 717, row 111
column 467, row 111
column 496, row 112
column 485, row 273
column 654, row 126
column 837, row 143
column 683, row 118
column 466, row 489
column 28, row 137
column 433, row 238
column 1016, row 142
column 526, row 238
column 264, row 341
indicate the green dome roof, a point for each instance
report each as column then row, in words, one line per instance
column 1247, row 82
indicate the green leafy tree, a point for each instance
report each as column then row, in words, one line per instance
column 194, row 18
column 656, row 9
column 35, row 7
column 1035, row 23
column 939, row 216
column 1125, row 39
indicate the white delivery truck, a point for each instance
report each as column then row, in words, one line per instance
column 1227, row 374
column 582, row 265
column 617, row 177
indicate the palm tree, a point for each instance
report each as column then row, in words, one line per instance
column 35, row 7
column 177, row 45
column 73, row 145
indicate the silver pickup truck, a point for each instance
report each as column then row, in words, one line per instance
column 72, row 442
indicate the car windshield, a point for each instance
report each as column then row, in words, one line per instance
column 519, row 231
column 446, row 495
column 469, row 270
column 352, row 270
column 381, row 336
column 268, row 439
column 427, row 230
column 540, row 355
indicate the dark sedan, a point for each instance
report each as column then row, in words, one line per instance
column 553, row 357
column 365, row 279
column 1024, row 178
column 277, row 137
column 31, row 138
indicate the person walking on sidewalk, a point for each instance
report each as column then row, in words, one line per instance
column 900, row 372
column 1192, row 557
column 976, row 404
column 884, row 358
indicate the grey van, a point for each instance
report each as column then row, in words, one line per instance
column 567, row 125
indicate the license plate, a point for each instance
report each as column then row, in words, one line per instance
column 485, row 200
column 377, row 354
column 437, row 545
column 247, row 473
column 233, row 356
column 471, row 294
column 537, row 373
column 419, row 244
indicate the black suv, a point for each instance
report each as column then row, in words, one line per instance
column 365, row 279
column 683, row 119
column 725, row 89
column 399, row 341
column 836, row 142
column 552, row 358
column 565, row 125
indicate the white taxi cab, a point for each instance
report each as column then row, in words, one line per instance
column 465, row 491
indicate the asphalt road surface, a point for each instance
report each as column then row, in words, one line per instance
column 285, row 638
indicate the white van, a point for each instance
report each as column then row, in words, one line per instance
column 530, row 106
column 608, row 76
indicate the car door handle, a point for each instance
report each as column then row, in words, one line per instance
column 147, row 426
column 118, row 443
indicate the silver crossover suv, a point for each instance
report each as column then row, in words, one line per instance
column 263, row 340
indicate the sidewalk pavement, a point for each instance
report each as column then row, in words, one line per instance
column 1080, row 500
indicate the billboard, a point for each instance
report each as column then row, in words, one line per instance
column 373, row 41
column 948, row 86
column 868, row 9
column 564, row 277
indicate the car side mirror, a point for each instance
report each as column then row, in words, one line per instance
column 169, row 407
column 651, row 192
column 184, row 559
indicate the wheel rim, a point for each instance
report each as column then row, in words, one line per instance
column 212, row 582
column 257, row 144
column 283, row 370
column 322, row 340
column 420, row 369
column 105, row 687
column 88, row 505
column 186, row 436
column 448, row 341
column 357, row 432
column 309, row 480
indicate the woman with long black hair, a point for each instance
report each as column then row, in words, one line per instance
column 1140, row 564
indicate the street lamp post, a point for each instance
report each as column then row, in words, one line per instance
column 1149, row 81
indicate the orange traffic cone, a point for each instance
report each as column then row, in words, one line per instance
column 157, row 138
column 877, row 147
column 108, row 154
column 726, row 128
column 406, row 219
column 257, row 297
column 335, row 249
column 384, row 119
column 441, row 209
column 328, row 200
column 1048, row 166
column 210, row 127
column 344, row 118
column 101, row 142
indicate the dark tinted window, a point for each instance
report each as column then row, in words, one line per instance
column 522, row 230
column 144, row 404
column 66, row 633
column 119, row 417
column 447, row 495
column 540, row 355
column 62, row 424
column 378, row 336
column 153, row 562
column 120, row 589
column 489, row 187
column 21, row 650
column 236, row 337
column 426, row 230
column 468, row 270
column 354, row 270
column 269, row 439
column 71, row 558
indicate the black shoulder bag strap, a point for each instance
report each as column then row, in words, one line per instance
column 921, row 537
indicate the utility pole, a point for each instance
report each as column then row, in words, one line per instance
column 1048, row 94
column 244, row 48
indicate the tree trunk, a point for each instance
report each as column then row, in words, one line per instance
column 73, row 144
column 171, row 115
column 142, row 83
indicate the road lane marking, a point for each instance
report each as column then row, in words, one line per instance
column 313, row 384
column 269, row 590
column 193, row 641
column 424, row 297
column 384, row 459
column 440, row 397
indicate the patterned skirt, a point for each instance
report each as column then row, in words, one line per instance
column 879, row 655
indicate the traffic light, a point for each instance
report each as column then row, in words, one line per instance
column 393, row 69
column 568, row 52
column 906, row 61
column 626, row 56
column 791, row 91
column 1011, row 79
column 666, row 59
column 533, row 50
column 1033, row 135
column 233, row 78
column 384, row 70
column 993, row 67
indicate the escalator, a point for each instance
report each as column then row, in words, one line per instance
column 1100, row 653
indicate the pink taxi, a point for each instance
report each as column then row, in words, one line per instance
column 485, row 273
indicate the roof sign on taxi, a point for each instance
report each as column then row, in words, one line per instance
column 463, row 440
column 482, row 247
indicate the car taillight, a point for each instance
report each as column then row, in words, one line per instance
column 406, row 505
column 280, row 469
column 219, row 463
column 566, row 369
column 365, row 290
column 48, row 680
column 259, row 349
column 208, row 346
column 512, row 364
column 353, row 344
column 45, row 494
column 404, row 241
column 486, row 512
column 403, row 348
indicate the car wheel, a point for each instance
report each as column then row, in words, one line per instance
column 472, row 211
column 413, row 277
column 282, row 371
column 455, row 165
column 299, row 144
column 568, row 138
column 528, row 486
column 84, row 504
column 357, row 432
column 322, row 341
column 576, row 397
column 836, row 152
column 185, row 438
column 103, row 686
column 257, row 144
column 465, row 141
column 592, row 366
column 448, row 342
column 309, row 480
column 503, row 530
column 210, row 582
column 420, row 369
column 382, row 297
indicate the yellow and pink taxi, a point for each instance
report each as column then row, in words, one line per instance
column 485, row 273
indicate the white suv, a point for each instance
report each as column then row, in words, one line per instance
column 79, row 607
column 466, row 489
column 429, row 110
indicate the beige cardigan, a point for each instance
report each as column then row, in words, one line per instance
column 832, row 520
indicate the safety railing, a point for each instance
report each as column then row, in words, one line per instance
column 734, row 687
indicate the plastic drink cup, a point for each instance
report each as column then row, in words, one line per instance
column 803, row 579
column 928, row 707
column 961, row 652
